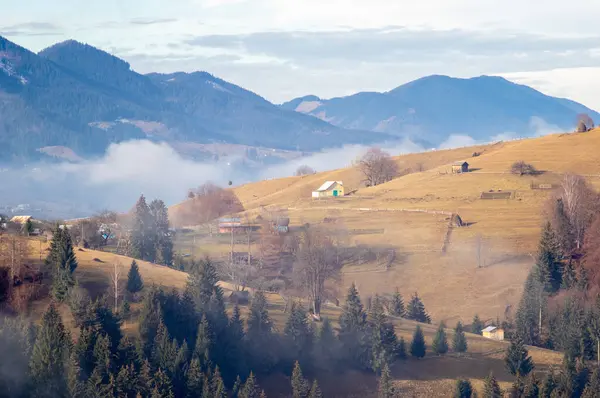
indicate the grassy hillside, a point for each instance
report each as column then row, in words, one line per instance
column 451, row 284
column 433, row 376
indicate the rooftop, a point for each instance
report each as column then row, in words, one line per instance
column 327, row 185
column 489, row 329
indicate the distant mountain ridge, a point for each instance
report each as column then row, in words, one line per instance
column 75, row 96
column 436, row 107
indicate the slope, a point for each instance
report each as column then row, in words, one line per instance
column 436, row 107
column 409, row 214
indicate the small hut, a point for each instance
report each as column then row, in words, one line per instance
column 460, row 167
column 329, row 189
column 281, row 225
column 493, row 332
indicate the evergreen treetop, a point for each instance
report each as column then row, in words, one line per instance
column 517, row 359
column 463, row 389
column 459, row 341
column 476, row 325
column 416, row 310
column 397, row 304
column 386, row 387
column 300, row 386
column 440, row 341
column 135, row 282
column 417, row 346
column 491, row 388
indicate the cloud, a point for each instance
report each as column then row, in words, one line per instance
column 150, row 21
column 457, row 141
column 33, row 28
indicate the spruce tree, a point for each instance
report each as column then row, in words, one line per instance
column 548, row 267
column 327, row 347
column 463, row 389
column 517, row 359
column 532, row 311
column 62, row 263
column 217, row 385
column 491, row 388
column 386, row 387
column 417, row 346
column 315, row 390
column 164, row 350
column 459, row 341
column 401, row 352
column 163, row 245
column 149, row 318
column 397, row 305
column 194, row 379
column 204, row 338
column 135, row 282
column 353, row 329
column 532, row 387
column 440, row 341
column 237, row 386
column 298, row 334
column 142, row 239
column 477, row 325
column 384, row 342
column 569, row 277
column 235, row 362
column 144, row 386
column 103, row 358
column 416, row 310
column 126, row 382
column 250, row 389
column 259, row 334
column 300, row 386
column 161, row 384
column 50, row 356
column 592, row 388
column 548, row 386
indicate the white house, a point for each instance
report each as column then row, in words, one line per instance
column 329, row 189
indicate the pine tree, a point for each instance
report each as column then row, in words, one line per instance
column 178, row 376
column 417, row 346
column 135, row 282
column 531, row 311
column 548, row 386
column 50, row 355
column 459, row 341
column 163, row 245
column 250, row 389
column 235, row 362
column 150, row 318
column 477, row 325
column 162, row 385
column 298, row 334
column 315, row 391
column 397, row 305
column 532, row 387
column 237, row 386
column 384, row 342
column 569, row 277
column 401, row 351
column 62, row 263
column 142, row 240
column 204, row 338
column 517, row 359
column 300, row 386
column 353, row 329
column 164, row 351
column 491, row 388
column 463, row 389
column 194, row 379
column 259, row 334
column 440, row 341
column 75, row 387
column 126, row 382
column 217, row 385
column 102, row 358
column 144, row 386
column 592, row 388
column 386, row 387
column 416, row 310
column 548, row 267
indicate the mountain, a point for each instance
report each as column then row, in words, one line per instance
column 435, row 107
column 75, row 96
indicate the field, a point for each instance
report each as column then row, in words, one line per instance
column 398, row 215
column 432, row 376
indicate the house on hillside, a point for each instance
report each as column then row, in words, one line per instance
column 20, row 219
column 493, row 332
column 230, row 224
column 460, row 167
column 329, row 189
column 281, row 225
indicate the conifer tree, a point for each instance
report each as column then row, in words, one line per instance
column 386, row 387
column 300, row 386
column 150, row 318
column 548, row 267
column 206, row 387
column 315, row 390
column 250, row 389
column 135, row 282
column 459, row 341
column 259, row 333
column 477, row 325
column 440, row 341
column 397, row 305
column 237, row 386
column 126, row 382
column 178, row 376
column 144, row 386
column 327, row 346
column 548, row 386
column 161, row 385
column 353, row 329
column 75, row 387
column 235, row 362
column 417, row 346
column 569, row 277
column 204, row 338
column 164, row 350
column 401, row 349
column 194, row 379
column 532, row 387
column 416, row 310
column 463, row 389
column 531, row 311
column 50, row 356
column 103, row 358
column 298, row 333
column 491, row 388
column 163, row 245
column 142, row 239
column 62, row 263
column 517, row 359
column 384, row 342
column 217, row 385
column 592, row 388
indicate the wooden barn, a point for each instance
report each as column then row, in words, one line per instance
column 494, row 333
column 460, row 167
column 329, row 189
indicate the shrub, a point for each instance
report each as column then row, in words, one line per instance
column 521, row 168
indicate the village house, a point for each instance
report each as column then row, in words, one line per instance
column 329, row 189
column 460, row 167
column 494, row 333
column 230, row 224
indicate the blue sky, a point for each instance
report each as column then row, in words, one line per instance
column 282, row 48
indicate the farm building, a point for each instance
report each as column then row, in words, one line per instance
column 329, row 189
column 20, row 219
column 494, row 333
column 281, row 225
column 460, row 167
column 227, row 225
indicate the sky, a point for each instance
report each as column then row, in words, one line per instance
column 282, row 49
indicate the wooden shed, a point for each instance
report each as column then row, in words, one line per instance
column 493, row 332
column 460, row 167
column 329, row 189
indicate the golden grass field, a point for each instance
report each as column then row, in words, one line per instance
column 432, row 376
column 452, row 286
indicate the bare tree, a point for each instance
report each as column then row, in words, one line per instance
column 115, row 283
column 241, row 275
column 377, row 167
column 521, row 168
column 316, row 263
column 580, row 204
column 14, row 251
column 584, row 123
column 304, row 170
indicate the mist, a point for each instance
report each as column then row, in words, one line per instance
column 128, row 169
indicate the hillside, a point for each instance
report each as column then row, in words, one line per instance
column 404, row 214
column 76, row 96
column 432, row 377
column 436, row 107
